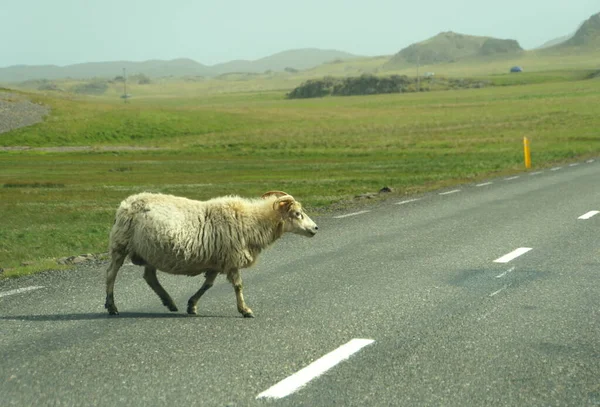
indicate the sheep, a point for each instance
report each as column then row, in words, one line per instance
column 186, row 237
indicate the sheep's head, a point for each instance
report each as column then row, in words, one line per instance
column 295, row 220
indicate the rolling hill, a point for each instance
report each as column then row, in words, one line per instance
column 584, row 42
column 296, row 59
column 452, row 53
column 447, row 53
column 451, row 47
column 588, row 34
column 152, row 68
column 555, row 41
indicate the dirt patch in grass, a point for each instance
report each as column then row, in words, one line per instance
column 66, row 149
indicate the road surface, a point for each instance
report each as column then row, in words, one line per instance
column 483, row 294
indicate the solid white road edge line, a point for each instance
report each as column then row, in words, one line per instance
column 350, row 214
column 294, row 382
column 588, row 215
column 449, row 192
column 20, row 290
column 512, row 255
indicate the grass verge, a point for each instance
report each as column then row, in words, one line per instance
column 323, row 151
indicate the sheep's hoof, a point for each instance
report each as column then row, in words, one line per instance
column 109, row 304
column 172, row 307
column 112, row 310
column 248, row 314
column 192, row 310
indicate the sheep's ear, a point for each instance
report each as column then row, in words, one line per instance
column 278, row 194
column 284, row 202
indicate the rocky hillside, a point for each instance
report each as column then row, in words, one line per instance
column 450, row 47
column 588, row 35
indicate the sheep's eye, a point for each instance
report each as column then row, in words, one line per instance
column 298, row 215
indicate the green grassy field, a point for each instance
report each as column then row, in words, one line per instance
column 323, row 151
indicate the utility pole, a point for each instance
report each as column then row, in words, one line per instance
column 418, row 77
column 124, row 86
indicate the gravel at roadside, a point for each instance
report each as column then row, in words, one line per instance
column 16, row 111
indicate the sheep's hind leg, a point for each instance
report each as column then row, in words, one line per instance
column 152, row 280
column 192, row 308
column 236, row 279
column 116, row 262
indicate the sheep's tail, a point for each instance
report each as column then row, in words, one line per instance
column 120, row 239
column 122, row 230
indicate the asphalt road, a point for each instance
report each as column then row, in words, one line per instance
column 449, row 325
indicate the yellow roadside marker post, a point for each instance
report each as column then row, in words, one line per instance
column 527, row 151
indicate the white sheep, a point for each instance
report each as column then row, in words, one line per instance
column 182, row 236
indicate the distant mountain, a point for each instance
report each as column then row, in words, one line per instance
column 449, row 47
column 152, row 68
column 588, row 34
column 555, row 41
column 559, row 40
column 296, row 59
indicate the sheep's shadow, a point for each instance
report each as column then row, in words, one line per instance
column 104, row 316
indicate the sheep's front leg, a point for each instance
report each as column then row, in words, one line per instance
column 236, row 279
column 192, row 308
column 152, row 280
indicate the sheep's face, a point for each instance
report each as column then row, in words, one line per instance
column 295, row 220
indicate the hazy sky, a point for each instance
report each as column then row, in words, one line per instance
column 63, row 32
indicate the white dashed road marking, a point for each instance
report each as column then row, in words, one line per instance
column 497, row 292
column 450, row 192
column 512, row 255
column 350, row 214
column 588, row 215
column 294, row 382
column 20, row 290
column 510, row 270
column 407, row 201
